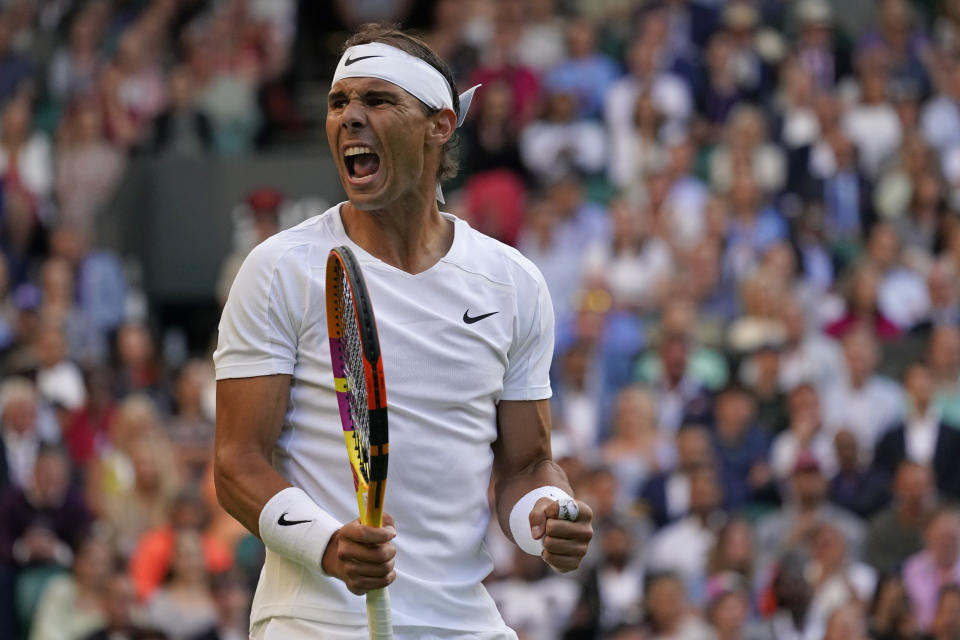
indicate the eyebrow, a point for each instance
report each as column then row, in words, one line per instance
column 364, row 95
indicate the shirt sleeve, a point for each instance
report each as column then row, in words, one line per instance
column 261, row 322
column 528, row 360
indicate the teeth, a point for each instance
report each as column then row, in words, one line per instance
column 355, row 151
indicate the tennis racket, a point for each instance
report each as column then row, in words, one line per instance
column 362, row 399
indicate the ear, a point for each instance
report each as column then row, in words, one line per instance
column 442, row 125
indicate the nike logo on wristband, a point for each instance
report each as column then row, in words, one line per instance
column 350, row 61
column 283, row 522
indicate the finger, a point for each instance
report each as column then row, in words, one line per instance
column 564, row 547
column 362, row 534
column 360, row 586
column 561, row 563
column 356, row 570
column 368, row 554
column 538, row 517
column 569, row 530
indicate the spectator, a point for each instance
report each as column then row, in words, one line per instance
column 191, row 428
column 612, row 590
column 856, row 486
column 21, row 437
column 872, row 124
column 124, row 614
column 72, row 605
column 259, row 218
column 760, row 373
column 818, row 48
column 922, row 437
column 747, row 148
column 938, row 565
column 682, row 547
column 901, row 293
column 530, row 600
column 75, row 65
column 560, row 143
column 26, row 162
column 805, row 437
column 666, row 496
column 791, row 594
column 85, row 344
column 943, row 357
column 789, row 530
column 890, row 615
column 153, row 556
column 231, row 596
column 636, row 450
column 634, row 264
column 863, row 308
column 669, row 616
column 89, row 166
column 807, row 355
column 836, row 580
column 732, row 555
column 741, row 448
column 728, row 612
column 184, row 607
column 41, row 525
column 16, row 72
column 59, row 379
column 182, row 129
column 683, row 399
column 586, row 74
column 896, row 533
column 754, row 225
column 944, row 307
column 866, row 403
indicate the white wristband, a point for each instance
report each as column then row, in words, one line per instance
column 520, row 517
column 296, row 527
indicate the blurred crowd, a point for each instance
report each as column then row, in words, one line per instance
column 748, row 216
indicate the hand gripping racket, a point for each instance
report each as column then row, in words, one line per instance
column 362, row 399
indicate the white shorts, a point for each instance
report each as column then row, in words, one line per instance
column 300, row 629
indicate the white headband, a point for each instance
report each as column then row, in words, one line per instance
column 415, row 76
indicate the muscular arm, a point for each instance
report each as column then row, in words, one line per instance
column 522, row 461
column 249, row 418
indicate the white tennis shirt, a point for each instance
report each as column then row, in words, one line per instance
column 445, row 372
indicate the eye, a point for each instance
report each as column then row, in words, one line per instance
column 376, row 102
column 338, row 104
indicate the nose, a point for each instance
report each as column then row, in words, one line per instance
column 354, row 116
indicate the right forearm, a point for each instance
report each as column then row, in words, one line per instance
column 244, row 484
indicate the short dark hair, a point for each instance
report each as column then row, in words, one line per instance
column 394, row 36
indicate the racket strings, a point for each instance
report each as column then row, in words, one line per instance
column 357, row 381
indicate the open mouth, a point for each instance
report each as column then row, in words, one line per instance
column 362, row 162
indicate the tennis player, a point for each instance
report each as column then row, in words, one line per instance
column 466, row 330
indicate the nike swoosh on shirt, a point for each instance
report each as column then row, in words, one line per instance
column 283, row 522
column 350, row 61
column 470, row 320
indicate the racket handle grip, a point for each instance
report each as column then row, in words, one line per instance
column 378, row 615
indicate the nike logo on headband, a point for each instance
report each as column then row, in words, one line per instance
column 350, row 61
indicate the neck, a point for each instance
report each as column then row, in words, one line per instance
column 410, row 234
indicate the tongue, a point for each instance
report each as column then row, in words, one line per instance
column 365, row 164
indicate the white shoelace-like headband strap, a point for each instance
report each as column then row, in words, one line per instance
column 415, row 76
